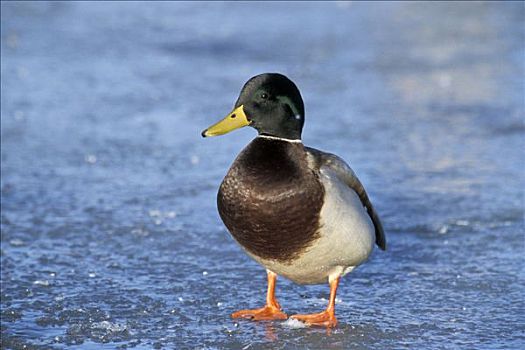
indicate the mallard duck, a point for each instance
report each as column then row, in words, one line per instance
column 301, row 213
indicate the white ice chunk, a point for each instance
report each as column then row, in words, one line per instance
column 16, row 242
column 44, row 283
column 90, row 158
column 294, row 324
column 155, row 213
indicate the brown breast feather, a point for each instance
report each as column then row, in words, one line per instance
column 270, row 200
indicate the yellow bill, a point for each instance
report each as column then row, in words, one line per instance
column 235, row 120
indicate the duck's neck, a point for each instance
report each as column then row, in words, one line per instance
column 274, row 158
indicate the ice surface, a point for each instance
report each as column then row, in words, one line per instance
column 110, row 236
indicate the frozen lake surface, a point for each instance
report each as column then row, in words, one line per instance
column 109, row 229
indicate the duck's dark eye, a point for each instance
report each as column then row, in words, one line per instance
column 264, row 95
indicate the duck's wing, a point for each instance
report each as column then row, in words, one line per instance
column 347, row 175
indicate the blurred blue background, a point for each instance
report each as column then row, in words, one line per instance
column 109, row 229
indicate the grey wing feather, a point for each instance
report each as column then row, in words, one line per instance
column 347, row 175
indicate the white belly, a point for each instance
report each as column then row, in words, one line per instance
column 346, row 238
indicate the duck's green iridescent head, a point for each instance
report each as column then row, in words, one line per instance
column 270, row 103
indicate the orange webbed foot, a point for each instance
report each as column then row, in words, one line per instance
column 264, row 313
column 325, row 319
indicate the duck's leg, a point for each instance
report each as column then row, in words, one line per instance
column 324, row 318
column 272, row 309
